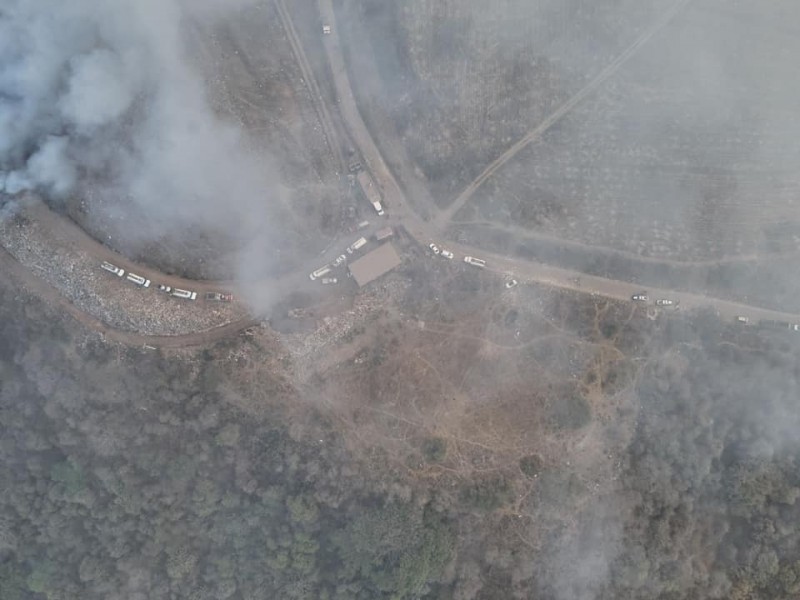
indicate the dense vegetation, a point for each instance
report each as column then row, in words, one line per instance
column 131, row 474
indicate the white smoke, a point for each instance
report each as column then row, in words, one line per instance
column 102, row 95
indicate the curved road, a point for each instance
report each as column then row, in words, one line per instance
column 400, row 215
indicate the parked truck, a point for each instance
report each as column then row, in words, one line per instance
column 320, row 272
column 371, row 191
column 359, row 243
column 478, row 262
column 185, row 294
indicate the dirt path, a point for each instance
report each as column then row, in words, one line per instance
column 13, row 269
column 446, row 215
column 68, row 233
column 310, row 81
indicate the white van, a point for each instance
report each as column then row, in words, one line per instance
column 359, row 243
column 138, row 280
column 112, row 269
column 185, row 294
column 320, row 272
column 478, row 262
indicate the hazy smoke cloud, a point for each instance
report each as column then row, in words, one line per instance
column 102, row 97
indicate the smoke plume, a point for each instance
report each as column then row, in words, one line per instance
column 101, row 99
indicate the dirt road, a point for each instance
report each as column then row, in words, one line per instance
column 11, row 268
column 400, row 214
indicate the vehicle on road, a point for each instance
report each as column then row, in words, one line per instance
column 339, row 260
column 164, row 288
column 447, row 254
column 320, row 272
column 478, row 262
column 359, row 243
column 640, row 297
column 741, row 319
column 219, row 296
column 185, row 294
column 434, row 248
column 794, row 327
column 326, row 29
column 138, row 280
column 511, row 283
column 665, row 302
column 112, row 269
column 329, row 280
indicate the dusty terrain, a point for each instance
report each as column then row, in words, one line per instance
column 660, row 160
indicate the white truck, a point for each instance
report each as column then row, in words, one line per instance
column 107, row 266
column 185, row 294
column 320, row 272
column 138, row 280
column 359, row 243
column 370, row 190
column 478, row 262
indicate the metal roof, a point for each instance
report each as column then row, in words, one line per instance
column 371, row 266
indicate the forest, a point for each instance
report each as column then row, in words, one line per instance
column 136, row 474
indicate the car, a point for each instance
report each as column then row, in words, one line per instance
column 434, row 249
column 185, row 294
column 339, row 260
column 447, row 254
column 794, row 327
column 329, row 280
column 511, row 283
column 640, row 297
column 741, row 319
column 107, row 266
column 138, row 280
column 219, row 296
column 664, row 302
column 164, row 288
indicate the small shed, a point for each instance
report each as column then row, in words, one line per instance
column 384, row 233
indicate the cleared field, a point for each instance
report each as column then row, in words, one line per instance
column 688, row 152
column 463, row 82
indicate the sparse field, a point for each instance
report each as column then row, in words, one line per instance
column 471, row 379
column 688, row 152
column 464, row 81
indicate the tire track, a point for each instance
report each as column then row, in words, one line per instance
column 447, row 214
column 317, row 100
